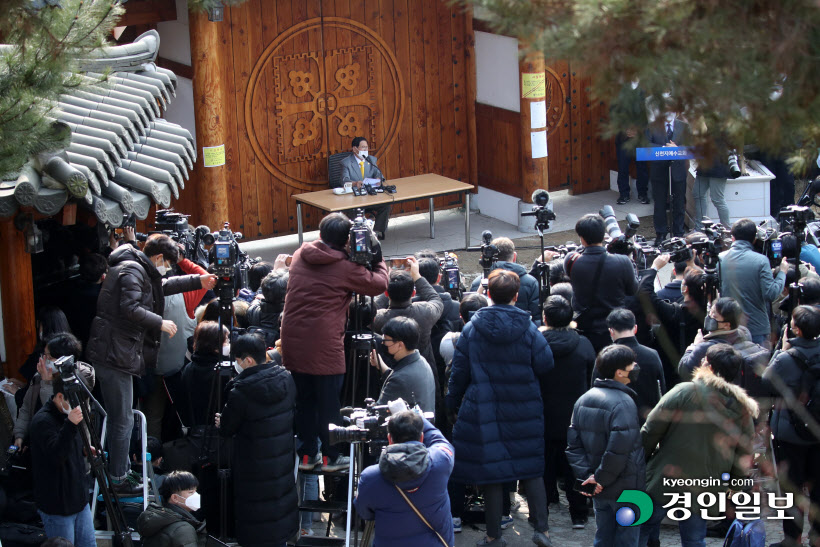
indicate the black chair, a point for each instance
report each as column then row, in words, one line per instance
column 334, row 169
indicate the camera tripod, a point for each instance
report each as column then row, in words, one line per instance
column 74, row 387
column 362, row 343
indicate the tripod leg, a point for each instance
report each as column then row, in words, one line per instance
column 350, row 474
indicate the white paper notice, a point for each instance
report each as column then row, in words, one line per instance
column 538, row 115
column 539, row 144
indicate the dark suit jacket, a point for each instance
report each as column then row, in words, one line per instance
column 681, row 135
column 351, row 172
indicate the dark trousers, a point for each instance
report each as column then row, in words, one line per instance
column 556, row 465
column 317, row 405
column 624, row 159
column 660, row 193
column 536, row 500
column 802, row 465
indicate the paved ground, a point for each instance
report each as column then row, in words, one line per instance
column 561, row 532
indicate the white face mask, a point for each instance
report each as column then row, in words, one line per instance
column 226, row 350
column 363, row 153
column 238, row 368
column 65, row 407
column 162, row 269
column 50, row 366
column 192, row 502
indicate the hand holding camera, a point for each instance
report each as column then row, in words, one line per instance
column 661, row 261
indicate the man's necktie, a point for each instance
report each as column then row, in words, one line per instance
column 362, row 166
column 668, row 131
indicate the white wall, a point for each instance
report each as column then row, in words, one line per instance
column 497, row 75
column 175, row 44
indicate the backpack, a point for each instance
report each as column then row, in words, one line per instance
column 751, row 535
column 808, row 396
column 755, row 361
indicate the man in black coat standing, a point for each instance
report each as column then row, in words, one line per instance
column 125, row 335
column 560, row 388
column 649, row 384
column 600, row 281
column 258, row 414
column 58, row 468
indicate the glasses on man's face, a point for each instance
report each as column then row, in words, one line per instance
column 388, row 341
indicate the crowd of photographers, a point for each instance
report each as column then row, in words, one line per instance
column 583, row 374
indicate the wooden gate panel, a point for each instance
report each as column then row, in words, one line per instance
column 309, row 75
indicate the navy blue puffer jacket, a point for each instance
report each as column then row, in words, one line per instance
column 499, row 434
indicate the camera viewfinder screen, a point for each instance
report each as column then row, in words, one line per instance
column 360, row 244
column 453, row 278
column 223, row 251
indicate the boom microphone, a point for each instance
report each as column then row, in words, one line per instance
column 540, row 197
column 370, row 161
column 487, row 237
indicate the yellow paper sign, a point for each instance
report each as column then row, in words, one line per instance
column 213, row 156
column 533, row 85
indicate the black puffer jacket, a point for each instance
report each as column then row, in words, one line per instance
column 263, row 318
column 567, row 381
column 258, row 414
column 785, row 367
column 170, row 526
column 125, row 334
column 604, row 439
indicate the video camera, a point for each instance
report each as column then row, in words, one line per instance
column 175, row 225
column 450, row 274
column 619, row 242
column 677, row 249
column 369, row 424
column 362, row 247
column 542, row 212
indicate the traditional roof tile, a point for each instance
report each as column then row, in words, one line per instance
column 123, row 155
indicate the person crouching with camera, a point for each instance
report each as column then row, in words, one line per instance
column 172, row 523
column 258, row 414
column 59, row 469
column 406, row 492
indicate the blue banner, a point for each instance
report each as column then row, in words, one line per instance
column 663, row 153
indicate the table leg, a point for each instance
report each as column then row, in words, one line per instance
column 466, row 219
column 299, row 220
column 432, row 220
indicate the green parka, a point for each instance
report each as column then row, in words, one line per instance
column 699, row 430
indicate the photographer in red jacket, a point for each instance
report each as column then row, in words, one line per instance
column 322, row 281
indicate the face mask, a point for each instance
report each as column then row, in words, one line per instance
column 238, row 368
column 65, row 407
column 363, row 153
column 710, row 324
column 162, row 269
column 192, row 501
column 633, row 374
column 50, row 366
column 226, row 350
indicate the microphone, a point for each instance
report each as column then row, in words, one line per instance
column 487, row 237
column 370, row 161
column 540, row 197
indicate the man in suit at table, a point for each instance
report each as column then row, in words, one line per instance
column 669, row 130
column 359, row 165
